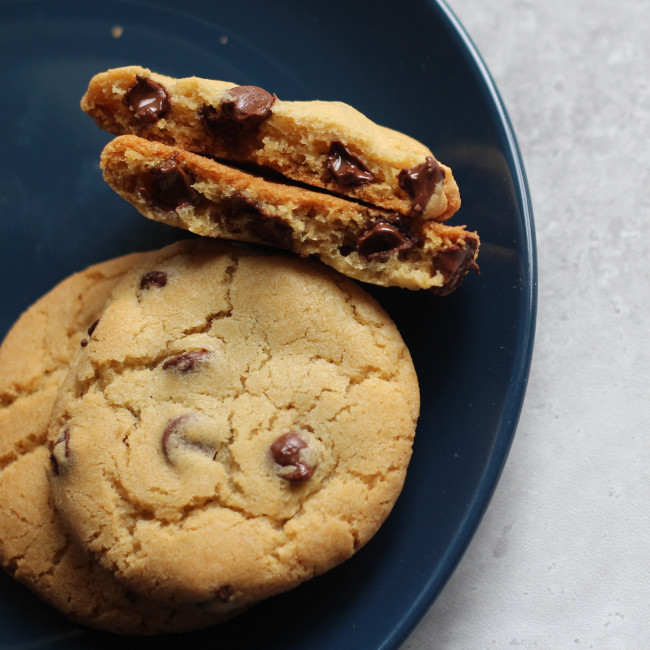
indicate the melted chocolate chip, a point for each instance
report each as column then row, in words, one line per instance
column 168, row 187
column 272, row 230
column 186, row 362
column 292, row 452
column 211, row 120
column 420, row 182
column 346, row 168
column 147, row 99
column 174, row 437
column 454, row 263
column 244, row 110
column 84, row 343
column 223, row 593
column 247, row 106
column 241, row 206
column 153, row 279
column 382, row 238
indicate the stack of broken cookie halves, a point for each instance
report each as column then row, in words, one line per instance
column 187, row 431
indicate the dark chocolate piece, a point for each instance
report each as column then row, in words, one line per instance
column 153, row 279
column 288, row 451
column 346, row 168
column 91, row 329
column 382, row 238
column 244, row 110
column 173, row 437
column 420, row 182
column 186, row 362
column 147, row 99
column 454, row 263
column 223, row 593
column 241, row 206
column 168, row 187
column 273, row 230
column 247, row 106
column 84, row 343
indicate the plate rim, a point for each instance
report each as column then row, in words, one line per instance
column 521, row 367
column 522, row 359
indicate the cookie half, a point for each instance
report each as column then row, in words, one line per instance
column 239, row 422
column 35, row 546
column 325, row 144
column 189, row 191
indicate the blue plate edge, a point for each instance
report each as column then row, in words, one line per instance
column 521, row 369
column 524, row 344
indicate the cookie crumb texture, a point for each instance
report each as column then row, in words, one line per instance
column 324, row 144
column 241, row 428
column 207, row 198
column 35, row 546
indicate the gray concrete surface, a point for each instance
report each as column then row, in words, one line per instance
column 562, row 557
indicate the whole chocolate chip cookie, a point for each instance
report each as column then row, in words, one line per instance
column 35, row 546
column 239, row 422
column 369, row 244
column 323, row 144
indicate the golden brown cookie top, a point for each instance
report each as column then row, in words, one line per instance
column 237, row 423
column 35, row 546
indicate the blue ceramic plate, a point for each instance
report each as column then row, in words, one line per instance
column 407, row 65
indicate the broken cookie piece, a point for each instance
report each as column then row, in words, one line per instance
column 208, row 198
column 323, row 144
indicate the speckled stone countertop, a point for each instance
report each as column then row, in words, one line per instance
column 562, row 557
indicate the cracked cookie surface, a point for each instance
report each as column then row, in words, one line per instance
column 35, row 546
column 238, row 422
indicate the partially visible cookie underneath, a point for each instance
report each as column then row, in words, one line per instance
column 378, row 246
column 35, row 546
column 238, row 422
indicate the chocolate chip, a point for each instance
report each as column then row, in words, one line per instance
column 345, row 167
column 186, row 362
column 295, row 457
column 241, row 206
column 55, row 454
column 454, row 263
column 244, row 110
column 147, row 99
column 247, row 106
column 168, row 187
column 382, row 238
column 153, row 279
column 273, row 230
column 91, row 329
column 420, row 182
column 223, row 593
column 174, row 436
